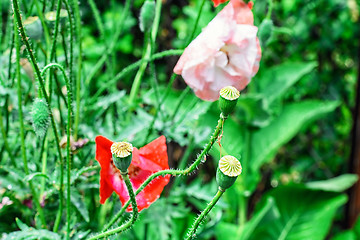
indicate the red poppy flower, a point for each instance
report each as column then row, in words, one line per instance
column 217, row 2
column 145, row 161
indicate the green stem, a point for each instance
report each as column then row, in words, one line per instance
column 147, row 55
column 4, row 137
column 133, row 66
column 196, row 23
column 68, row 146
column 43, row 159
column 270, row 8
column 31, row 58
column 184, row 159
column 56, row 31
column 97, row 17
column 192, row 231
column 43, row 23
column 79, row 65
column 22, row 130
column 173, row 172
column 133, row 218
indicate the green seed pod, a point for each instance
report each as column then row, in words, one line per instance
column 228, row 99
column 228, row 171
column 265, row 31
column 147, row 15
column 122, row 155
column 33, row 28
column 40, row 117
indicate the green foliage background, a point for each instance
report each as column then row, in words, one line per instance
column 291, row 129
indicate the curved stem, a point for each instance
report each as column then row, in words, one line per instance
column 173, row 172
column 133, row 218
column 68, row 134
column 192, row 231
column 22, row 131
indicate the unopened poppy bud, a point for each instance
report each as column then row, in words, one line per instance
column 229, row 169
column 40, row 117
column 147, row 15
column 228, row 99
column 33, row 28
column 122, row 155
column 265, row 31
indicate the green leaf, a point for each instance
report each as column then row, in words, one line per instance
column 246, row 231
column 21, row 225
column 337, row 184
column 302, row 214
column 276, row 80
column 33, row 234
column 37, row 174
column 266, row 141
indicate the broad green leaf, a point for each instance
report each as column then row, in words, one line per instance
column 303, row 214
column 337, row 184
column 266, row 141
column 346, row 235
column 232, row 231
column 276, row 80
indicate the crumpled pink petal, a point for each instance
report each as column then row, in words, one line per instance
column 226, row 53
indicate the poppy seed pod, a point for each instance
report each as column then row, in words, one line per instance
column 33, row 28
column 228, row 171
column 228, row 99
column 40, row 117
column 147, row 14
column 122, row 155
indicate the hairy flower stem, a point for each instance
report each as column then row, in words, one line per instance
column 192, row 231
column 22, row 130
column 134, row 215
column 174, row 172
column 68, row 146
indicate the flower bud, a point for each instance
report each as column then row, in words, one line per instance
column 33, row 28
column 122, row 155
column 229, row 169
column 265, row 31
column 228, row 99
column 40, row 117
column 147, row 15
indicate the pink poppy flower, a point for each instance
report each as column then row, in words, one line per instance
column 145, row 161
column 226, row 53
